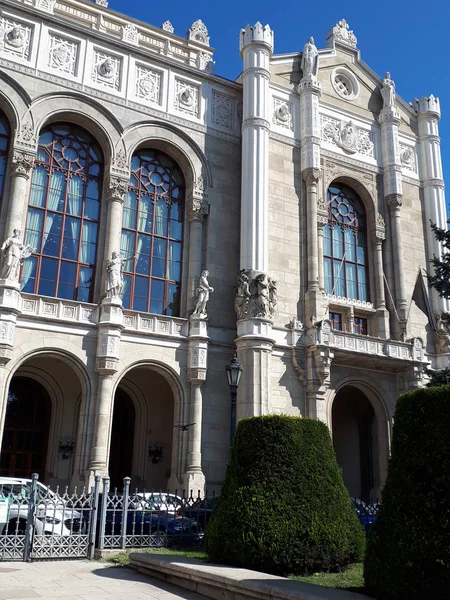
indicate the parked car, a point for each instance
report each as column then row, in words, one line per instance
column 161, row 501
column 163, row 528
column 367, row 513
column 201, row 510
column 53, row 516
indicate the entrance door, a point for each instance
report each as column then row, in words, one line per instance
column 27, row 423
column 122, row 439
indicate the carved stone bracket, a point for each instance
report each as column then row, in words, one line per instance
column 394, row 201
column 198, row 208
column 256, row 296
column 323, row 357
column 22, row 162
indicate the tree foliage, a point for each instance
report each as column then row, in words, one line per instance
column 284, row 507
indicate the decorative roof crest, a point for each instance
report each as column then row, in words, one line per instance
column 341, row 33
column 198, row 32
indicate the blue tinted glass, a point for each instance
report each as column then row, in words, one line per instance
column 4, row 129
column 29, row 274
column 140, row 304
column 67, row 273
column 157, row 290
column 141, row 286
column 66, row 290
column 159, row 248
column 174, row 271
column 337, row 242
column 91, row 209
column 328, row 275
column 350, row 245
column 159, row 268
column 156, row 307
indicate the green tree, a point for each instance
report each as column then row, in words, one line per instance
column 284, row 507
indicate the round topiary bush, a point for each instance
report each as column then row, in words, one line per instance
column 408, row 552
column 284, row 507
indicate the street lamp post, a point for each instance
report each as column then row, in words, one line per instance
column 234, row 372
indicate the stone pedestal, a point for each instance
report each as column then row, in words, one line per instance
column 254, row 350
column 10, row 308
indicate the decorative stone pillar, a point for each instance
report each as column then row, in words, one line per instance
column 309, row 92
column 110, row 327
column 319, row 357
column 198, row 209
column 22, row 163
column 380, row 300
column 253, row 306
column 115, row 190
column 430, row 163
column 256, row 46
column 194, row 479
column 10, row 305
column 389, row 121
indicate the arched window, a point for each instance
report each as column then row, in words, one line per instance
column 344, row 245
column 63, row 214
column 4, row 142
column 152, row 234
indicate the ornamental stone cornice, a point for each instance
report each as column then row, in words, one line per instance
column 309, row 86
column 434, row 182
column 257, row 71
column 22, row 162
column 430, row 137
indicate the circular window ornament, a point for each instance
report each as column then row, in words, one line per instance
column 345, row 83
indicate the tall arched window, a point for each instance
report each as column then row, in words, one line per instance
column 152, row 234
column 344, row 245
column 4, row 142
column 63, row 214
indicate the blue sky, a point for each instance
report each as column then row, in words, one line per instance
column 400, row 37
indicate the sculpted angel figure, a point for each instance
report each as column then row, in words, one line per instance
column 202, row 295
column 262, row 291
column 13, row 253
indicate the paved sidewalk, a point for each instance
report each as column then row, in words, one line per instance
column 83, row 580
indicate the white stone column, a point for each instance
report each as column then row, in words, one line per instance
column 103, row 412
column 198, row 208
column 389, row 121
column 320, row 227
column 115, row 190
column 193, row 478
column 430, row 168
column 256, row 46
column 378, row 237
column 309, row 92
column 22, row 163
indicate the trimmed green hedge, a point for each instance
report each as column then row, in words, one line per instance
column 284, row 507
column 408, row 554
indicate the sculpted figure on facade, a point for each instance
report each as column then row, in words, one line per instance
column 256, row 296
column 310, row 59
column 202, row 295
column 114, row 275
column 242, row 299
column 15, row 37
column 13, row 253
column 388, row 91
column 442, row 334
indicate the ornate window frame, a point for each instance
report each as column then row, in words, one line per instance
column 345, row 83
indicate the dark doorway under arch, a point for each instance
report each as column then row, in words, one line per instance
column 355, row 441
column 27, row 424
column 122, row 439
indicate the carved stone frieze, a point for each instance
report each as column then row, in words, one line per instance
column 282, row 114
column 198, row 208
column 442, row 335
column 256, row 296
column 62, row 54
column 45, row 5
column 408, row 158
column 117, row 187
column 15, row 38
column 205, row 62
column 394, row 201
column 187, row 97
column 380, row 228
column 223, row 110
column 26, row 135
column 130, row 34
column 148, row 84
column 347, row 136
column 106, row 70
column 311, row 176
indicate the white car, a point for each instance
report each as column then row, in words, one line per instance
column 162, row 502
column 52, row 515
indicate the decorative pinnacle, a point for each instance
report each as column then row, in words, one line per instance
column 256, row 34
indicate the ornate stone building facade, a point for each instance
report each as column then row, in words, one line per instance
column 158, row 218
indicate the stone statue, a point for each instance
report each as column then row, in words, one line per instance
column 202, row 295
column 16, row 37
column 13, row 253
column 262, row 295
column 114, row 275
column 310, row 59
column 242, row 296
column 273, row 295
column 442, row 334
column 388, row 91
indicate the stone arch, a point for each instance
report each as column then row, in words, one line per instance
column 382, row 416
column 173, row 141
column 367, row 196
column 27, row 365
column 82, row 111
column 170, row 374
column 14, row 101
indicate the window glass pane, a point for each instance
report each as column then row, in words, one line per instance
column 327, row 240
column 338, row 272
column 85, row 281
column 361, row 249
column 337, row 242
column 350, row 253
column 65, row 150
column 351, row 281
column 127, row 248
column 362, row 286
column 155, row 177
column 140, row 304
column 141, row 286
column 327, row 271
column 28, row 275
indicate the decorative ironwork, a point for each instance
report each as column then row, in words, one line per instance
column 63, row 215
column 152, row 234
